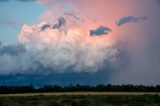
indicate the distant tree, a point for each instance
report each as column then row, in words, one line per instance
column 78, row 87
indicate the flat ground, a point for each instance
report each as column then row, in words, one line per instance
column 81, row 99
column 81, row 93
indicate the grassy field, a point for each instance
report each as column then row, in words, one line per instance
column 81, row 99
column 79, row 93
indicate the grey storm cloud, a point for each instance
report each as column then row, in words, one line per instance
column 45, row 26
column 14, row 58
column 130, row 19
column 102, row 30
column 13, row 49
column 60, row 23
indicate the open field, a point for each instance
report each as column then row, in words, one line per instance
column 81, row 99
column 80, row 93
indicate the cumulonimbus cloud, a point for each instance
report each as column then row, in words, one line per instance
column 58, row 47
column 71, row 48
column 58, row 50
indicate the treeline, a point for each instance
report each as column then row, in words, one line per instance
column 74, row 88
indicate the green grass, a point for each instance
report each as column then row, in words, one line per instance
column 82, row 100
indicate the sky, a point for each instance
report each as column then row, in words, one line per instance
column 79, row 41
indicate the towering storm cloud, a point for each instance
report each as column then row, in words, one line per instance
column 70, row 36
column 59, row 46
column 70, row 47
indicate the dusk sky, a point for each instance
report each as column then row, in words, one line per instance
column 79, row 41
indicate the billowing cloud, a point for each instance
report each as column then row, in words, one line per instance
column 59, row 47
column 131, row 52
column 130, row 19
column 102, row 30
column 14, row 59
column 77, row 50
column 12, row 49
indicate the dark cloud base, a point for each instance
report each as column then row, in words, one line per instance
column 101, row 77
